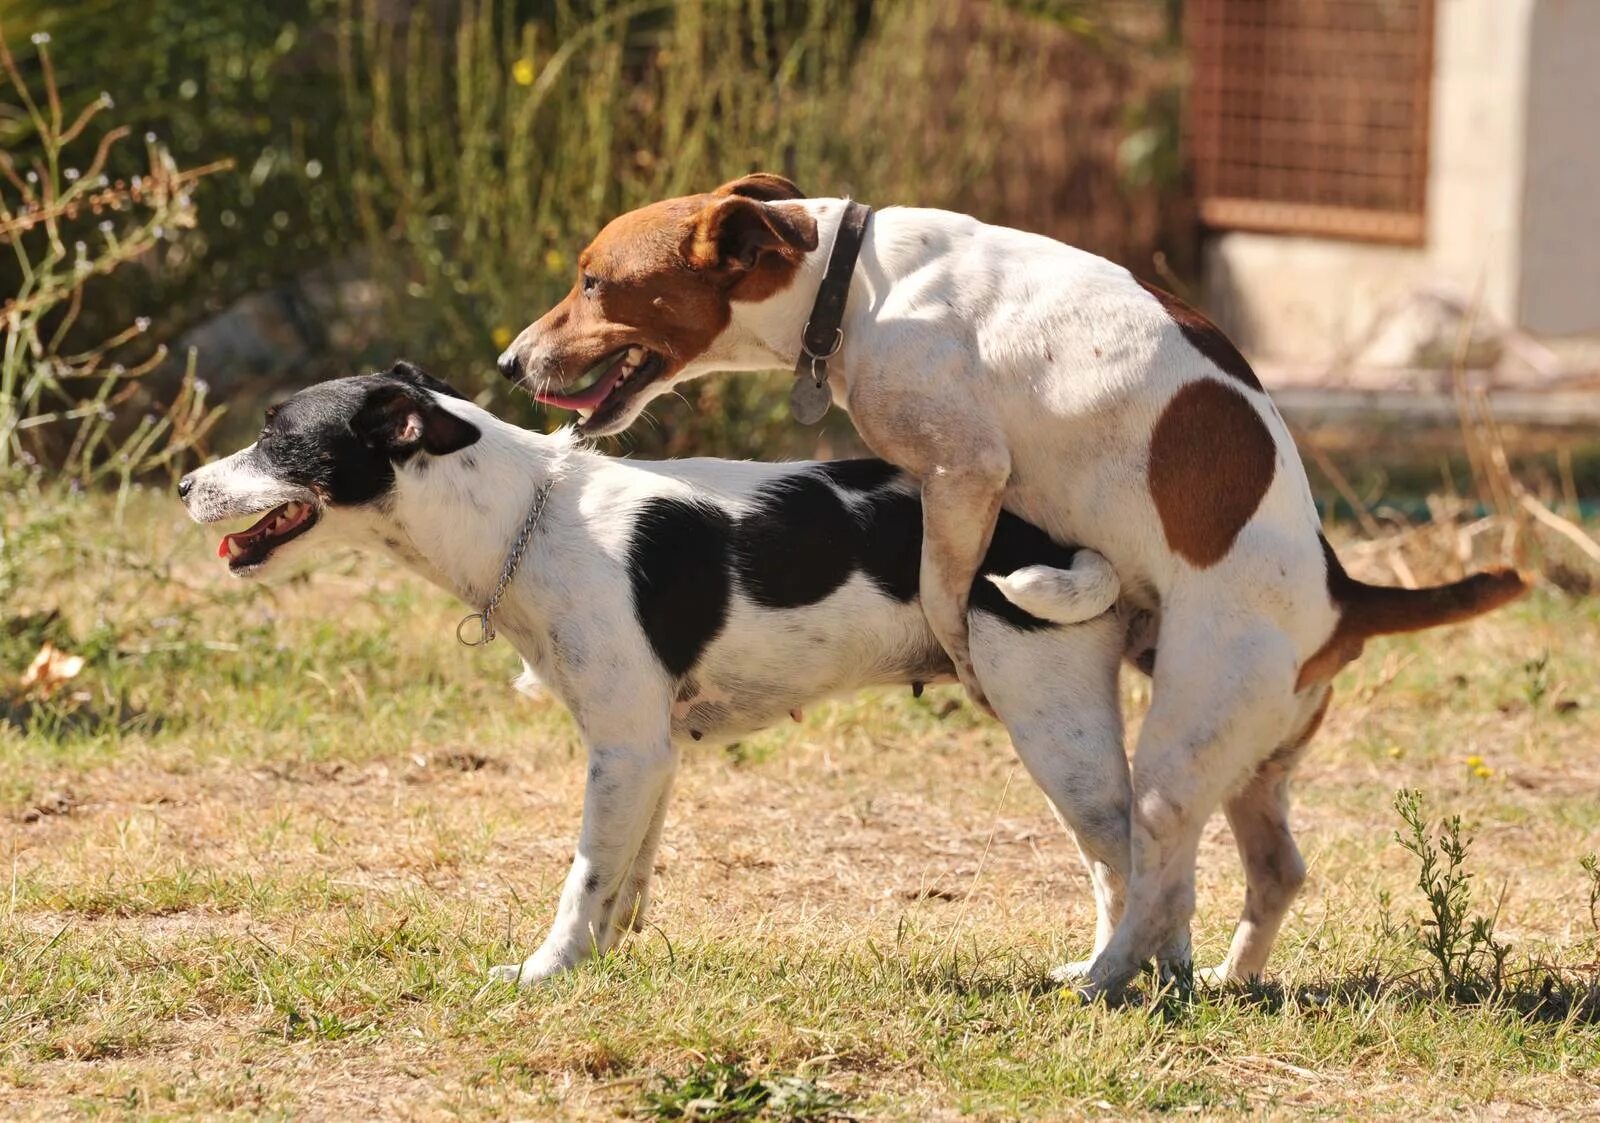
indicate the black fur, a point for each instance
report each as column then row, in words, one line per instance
column 338, row 438
column 678, row 567
column 799, row 544
column 808, row 532
column 867, row 474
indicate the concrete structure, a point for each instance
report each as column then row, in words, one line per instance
column 1512, row 214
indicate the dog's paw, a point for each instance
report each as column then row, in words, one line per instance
column 1072, row 973
column 1219, row 976
column 506, row 973
column 530, row 972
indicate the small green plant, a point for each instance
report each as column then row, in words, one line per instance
column 65, row 404
column 1469, row 963
column 723, row 1092
column 1537, row 684
column 1591, row 866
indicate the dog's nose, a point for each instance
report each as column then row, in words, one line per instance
column 510, row 366
column 185, row 486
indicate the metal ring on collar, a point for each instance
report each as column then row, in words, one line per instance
column 485, row 634
column 838, row 342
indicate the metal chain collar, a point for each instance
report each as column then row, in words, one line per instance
column 519, row 547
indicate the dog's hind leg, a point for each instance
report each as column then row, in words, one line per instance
column 1056, row 691
column 626, row 793
column 1273, row 867
column 1223, row 698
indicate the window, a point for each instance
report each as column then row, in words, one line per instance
column 1311, row 116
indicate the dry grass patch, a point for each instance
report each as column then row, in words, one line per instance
column 262, row 864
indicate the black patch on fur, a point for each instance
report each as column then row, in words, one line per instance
column 1016, row 543
column 859, row 475
column 805, row 534
column 591, row 884
column 798, row 544
column 678, row 567
column 326, row 437
column 891, row 543
column 806, row 539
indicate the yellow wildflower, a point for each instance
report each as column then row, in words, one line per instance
column 501, row 336
column 1395, row 752
column 1474, row 761
column 1483, row 772
column 522, row 72
column 555, row 261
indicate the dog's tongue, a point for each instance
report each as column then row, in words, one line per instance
column 589, row 399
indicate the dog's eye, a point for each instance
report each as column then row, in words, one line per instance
column 591, row 284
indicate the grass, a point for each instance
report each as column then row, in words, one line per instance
column 260, row 864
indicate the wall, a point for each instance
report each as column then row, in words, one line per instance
column 1561, row 192
column 1513, row 202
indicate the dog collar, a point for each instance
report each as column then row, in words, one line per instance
column 519, row 547
column 823, row 335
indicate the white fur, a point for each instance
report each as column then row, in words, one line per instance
column 1089, row 588
column 569, row 614
column 1001, row 366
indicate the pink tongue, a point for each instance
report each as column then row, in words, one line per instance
column 584, row 399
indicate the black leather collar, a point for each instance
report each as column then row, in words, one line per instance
column 823, row 335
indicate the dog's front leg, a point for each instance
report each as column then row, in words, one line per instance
column 625, row 794
column 960, row 505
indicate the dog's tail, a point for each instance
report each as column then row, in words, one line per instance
column 1378, row 610
column 1062, row 596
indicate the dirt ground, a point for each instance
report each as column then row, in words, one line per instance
column 261, row 863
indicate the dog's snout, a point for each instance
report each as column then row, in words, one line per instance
column 510, row 365
column 185, row 486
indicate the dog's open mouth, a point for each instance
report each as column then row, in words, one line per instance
column 622, row 374
column 251, row 547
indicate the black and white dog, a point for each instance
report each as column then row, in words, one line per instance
column 682, row 600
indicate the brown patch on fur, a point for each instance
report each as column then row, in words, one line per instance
column 1211, row 461
column 665, row 276
column 1206, row 337
column 1376, row 610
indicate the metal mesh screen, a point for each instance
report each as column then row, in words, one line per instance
column 1311, row 116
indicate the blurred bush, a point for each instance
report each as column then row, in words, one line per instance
column 446, row 159
column 489, row 146
column 67, row 222
column 210, row 80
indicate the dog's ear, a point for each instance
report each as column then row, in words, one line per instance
column 764, row 187
column 400, row 420
column 731, row 234
column 412, row 373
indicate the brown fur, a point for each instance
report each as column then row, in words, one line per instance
column 1206, row 337
column 667, row 274
column 1375, row 610
column 1211, row 461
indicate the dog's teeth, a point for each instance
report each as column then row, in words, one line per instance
column 635, row 356
column 234, row 549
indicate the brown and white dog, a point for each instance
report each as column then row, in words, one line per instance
column 1004, row 368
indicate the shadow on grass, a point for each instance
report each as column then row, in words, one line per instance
column 64, row 719
column 1539, row 995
